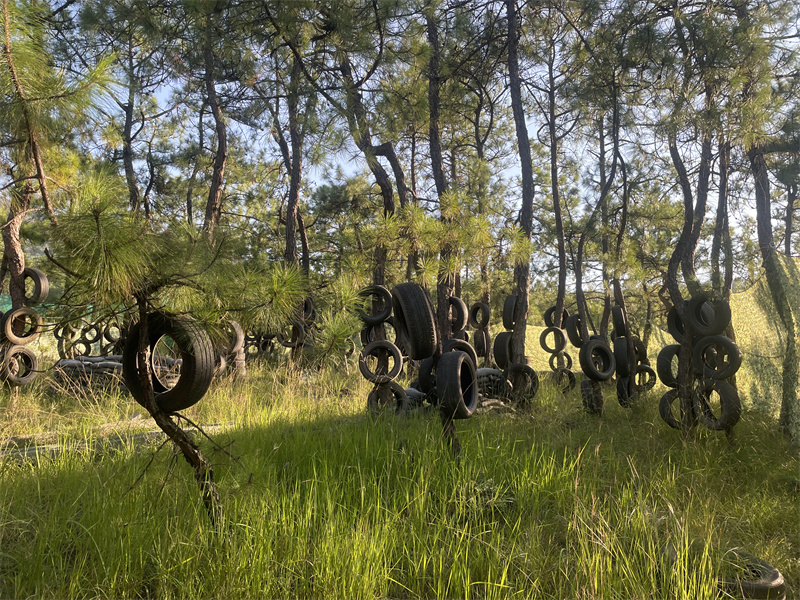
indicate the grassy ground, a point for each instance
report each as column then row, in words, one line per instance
column 323, row 501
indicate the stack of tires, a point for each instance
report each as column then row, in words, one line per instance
column 18, row 328
column 77, row 337
column 564, row 376
column 524, row 379
column 597, row 363
column 714, row 359
column 478, row 318
column 634, row 373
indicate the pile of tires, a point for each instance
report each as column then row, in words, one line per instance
column 634, row 373
column 564, row 376
column 522, row 382
column 77, row 337
column 19, row 327
column 715, row 358
column 88, row 369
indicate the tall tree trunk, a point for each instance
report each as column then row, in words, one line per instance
column 522, row 271
column 13, row 255
column 214, row 201
column 791, row 198
column 294, row 166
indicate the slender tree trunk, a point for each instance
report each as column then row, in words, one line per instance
column 214, row 201
column 791, row 198
column 294, row 166
column 13, row 254
column 522, row 271
column 305, row 256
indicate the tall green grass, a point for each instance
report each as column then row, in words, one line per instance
column 322, row 500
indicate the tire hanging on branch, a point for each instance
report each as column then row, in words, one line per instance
column 413, row 320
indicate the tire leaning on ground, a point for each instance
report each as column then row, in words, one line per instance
column 20, row 365
column 457, row 385
column 21, row 325
column 502, row 349
column 413, row 320
column 664, row 365
column 383, row 308
column 727, row 357
column 479, row 314
column 565, row 379
column 196, row 353
column 492, row 383
column 376, row 348
column 730, row 405
column 524, row 379
column 597, row 360
column 41, row 286
column 381, row 398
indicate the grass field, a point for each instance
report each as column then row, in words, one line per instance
column 323, row 501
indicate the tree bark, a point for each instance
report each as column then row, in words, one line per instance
column 214, row 201
column 13, row 253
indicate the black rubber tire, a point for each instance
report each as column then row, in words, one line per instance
column 427, row 376
column 571, row 381
column 664, row 365
column 479, row 314
column 41, row 286
column 648, row 374
column 92, row 333
column 573, row 328
column 706, row 316
column 20, row 365
column 415, row 397
column 113, row 331
column 382, row 310
column 235, row 337
column 71, row 347
column 553, row 361
column 640, row 350
column 413, row 320
column 370, row 332
column 502, row 349
column 458, row 312
column 597, row 360
column 619, row 321
column 483, row 342
column 309, row 311
column 22, row 325
column 592, row 397
column 623, row 392
column 509, row 306
column 401, row 401
column 297, row 337
column 621, row 356
column 548, row 317
column 453, row 345
column 730, row 356
column 457, row 385
column 524, row 381
column 196, row 352
column 767, row 582
column 675, row 325
column 373, row 348
column 730, row 405
column 665, row 408
column 559, row 340
column 492, row 383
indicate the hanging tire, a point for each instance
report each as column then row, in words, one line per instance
column 509, row 306
column 675, row 325
column 375, row 349
column 92, row 333
column 191, row 342
column 621, row 356
column 726, row 357
column 624, row 392
column 295, row 338
column 370, row 332
column 549, row 317
column 382, row 304
column 413, row 319
column 40, row 286
column 565, row 380
column 113, row 332
column 592, row 397
column 22, row 325
column 664, row 362
column 457, row 385
column 388, row 397
column 235, row 337
column 553, row 361
column 502, row 349
column 483, row 342
column 640, row 350
column 706, row 316
column 524, row 381
column 619, row 321
column 573, row 328
column 645, row 378
column 461, row 345
column 559, row 340
column 665, row 409
column 20, row 365
column 458, row 312
column 597, row 360
column 309, row 311
column 479, row 314
column 730, row 405
column 427, row 376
